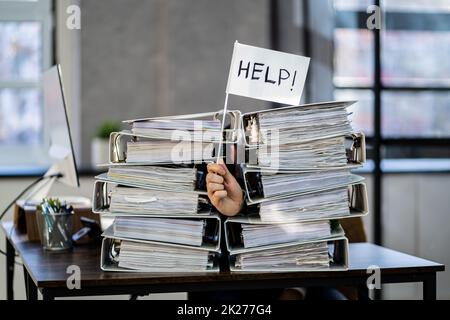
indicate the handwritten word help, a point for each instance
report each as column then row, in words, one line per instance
column 259, row 71
column 267, row 74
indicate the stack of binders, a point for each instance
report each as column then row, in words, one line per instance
column 297, row 179
column 298, row 185
column 154, row 193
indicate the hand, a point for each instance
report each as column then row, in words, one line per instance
column 224, row 191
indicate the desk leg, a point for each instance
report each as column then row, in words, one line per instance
column 10, row 259
column 25, row 280
column 429, row 287
column 30, row 287
column 363, row 293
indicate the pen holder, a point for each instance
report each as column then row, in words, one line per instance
column 55, row 230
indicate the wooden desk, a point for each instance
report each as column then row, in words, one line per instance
column 46, row 271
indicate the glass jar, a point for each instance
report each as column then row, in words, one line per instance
column 55, row 229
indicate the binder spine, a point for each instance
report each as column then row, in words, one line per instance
column 231, row 135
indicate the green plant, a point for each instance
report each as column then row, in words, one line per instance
column 53, row 203
column 106, row 128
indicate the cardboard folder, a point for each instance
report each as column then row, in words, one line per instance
column 233, row 119
column 104, row 177
column 118, row 148
column 247, row 118
column 235, row 246
column 355, row 152
column 213, row 227
column 108, row 263
column 253, row 184
column 357, row 203
column 340, row 257
column 101, row 201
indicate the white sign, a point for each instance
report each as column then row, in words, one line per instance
column 267, row 74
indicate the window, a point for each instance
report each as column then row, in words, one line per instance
column 400, row 76
column 25, row 51
column 414, row 75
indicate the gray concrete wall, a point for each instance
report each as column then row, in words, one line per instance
column 161, row 57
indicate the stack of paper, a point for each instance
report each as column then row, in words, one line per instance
column 321, row 205
column 152, row 257
column 308, row 137
column 298, row 124
column 169, row 129
column 315, row 154
column 166, row 151
column 148, row 220
column 297, row 177
column 304, row 256
column 138, row 201
column 159, row 231
column 181, row 231
column 168, row 177
column 157, row 244
column 154, row 190
column 298, row 183
column 257, row 235
column 173, row 140
column 298, row 186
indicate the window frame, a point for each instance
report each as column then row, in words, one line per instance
column 26, row 159
column 378, row 87
column 377, row 141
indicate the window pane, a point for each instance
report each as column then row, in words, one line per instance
column 353, row 60
column 20, row 116
column 416, row 43
column 416, row 5
column 416, row 58
column 416, row 114
column 362, row 111
column 353, row 5
column 20, row 51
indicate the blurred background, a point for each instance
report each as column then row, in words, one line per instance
column 140, row 58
